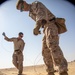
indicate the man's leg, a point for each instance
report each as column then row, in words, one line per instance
column 47, row 58
column 52, row 40
column 15, row 60
column 60, row 61
column 63, row 73
column 20, row 63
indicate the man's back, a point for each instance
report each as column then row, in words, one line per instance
column 38, row 11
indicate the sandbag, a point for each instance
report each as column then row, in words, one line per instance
column 60, row 23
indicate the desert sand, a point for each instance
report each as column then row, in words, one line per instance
column 36, row 70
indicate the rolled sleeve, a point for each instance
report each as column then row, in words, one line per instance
column 9, row 39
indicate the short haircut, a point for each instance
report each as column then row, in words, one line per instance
column 20, row 33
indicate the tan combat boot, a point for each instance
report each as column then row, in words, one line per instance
column 63, row 73
column 19, row 74
column 51, row 73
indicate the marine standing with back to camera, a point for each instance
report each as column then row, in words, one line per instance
column 51, row 51
column 18, row 51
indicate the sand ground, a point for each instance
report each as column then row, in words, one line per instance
column 35, row 70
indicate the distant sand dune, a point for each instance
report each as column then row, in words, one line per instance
column 35, row 70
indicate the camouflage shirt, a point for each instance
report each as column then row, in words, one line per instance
column 18, row 44
column 38, row 12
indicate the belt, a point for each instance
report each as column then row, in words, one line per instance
column 17, row 50
column 52, row 19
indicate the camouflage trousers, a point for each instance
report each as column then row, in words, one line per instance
column 52, row 53
column 18, row 61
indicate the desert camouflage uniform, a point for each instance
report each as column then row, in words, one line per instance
column 50, row 50
column 18, row 53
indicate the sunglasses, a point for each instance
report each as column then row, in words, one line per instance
column 22, row 6
column 21, row 35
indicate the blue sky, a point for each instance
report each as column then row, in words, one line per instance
column 12, row 21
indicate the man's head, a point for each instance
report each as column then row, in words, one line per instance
column 22, row 5
column 20, row 35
